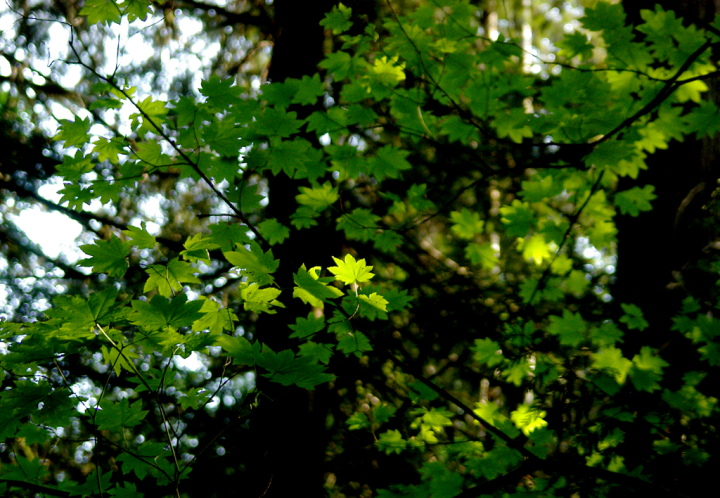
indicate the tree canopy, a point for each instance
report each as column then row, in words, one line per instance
column 400, row 249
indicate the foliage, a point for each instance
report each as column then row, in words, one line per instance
column 556, row 407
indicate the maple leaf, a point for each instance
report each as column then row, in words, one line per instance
column 611, row 358
column 360, row 224
column 197, row 248
column 386, row 72
column 151, row 112
column 287, row 369
column 482, row 254
column 391, row 442
column 318, row 197
column 633, row 317
column 136, row 9
column 120, row 359
column 254, row 264
column 228, row 236
column 259, row 299
column 528, row 418
column 305, row 327
column 570, row 328
column 140, row 238
column 115, row 415
column 467, row 223
column 320, row 353
column 107, row 256
column 575, row 44
column 358, row 421
column 487, row 352
column 353, row 343
column 312, row 289
column 388, row 163
column 74, row 133
column 276, row 122
column 635, row 200
column 338, row 19
column 309, row 89
column 350, row 271
column 108, row 149
column 220, row 93
column 168, row 279
column 161, row 312
column 101, row 11
column 288, row 156
column 194, row 398
column 518, row 217
column 374, row 300
column 535, row 248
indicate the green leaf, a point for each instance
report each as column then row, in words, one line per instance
column 633, row 317
column 358, row 421
column 383, row 413
column 540, row 189
column 287, row 369
column 168, row 279
column 359, row 224
column 108, row 149
column 350, row 271
column 161, row 312
column 151, row 112
column 228, row 236
column 215, row 318
column 74, row 133
column 535, row 248
column 277, row 123
column 487, row 352
column 309, row 89
column 387, row 72
column 197, row 248
column 611, row 358
column 570, row 328
column 140, row 238
column 107, row 256
column 635, row 200
column 608, row 334
column 313, row 290
column 136, row 10
column 338, row 19
column 305, row 327
column 273, row 231
column 319, row 352
column 220, row 94
column 518, row 217
column 120, row 359
column 374, row 300
column 114, row 416
column 254, row 264
column 353, row 343
column 575, row 44
column 101, row 12
column 482, row 254
column 388, row 163
column 528, row 418
column 391, row 442
column 259, row 299
column 318, row 197
column 466, row 224
column 240, row 349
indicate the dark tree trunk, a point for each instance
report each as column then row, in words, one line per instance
column 289, row 437
column 658, row 254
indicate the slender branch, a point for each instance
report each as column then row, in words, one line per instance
column 670, row 86
column 158, row 129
